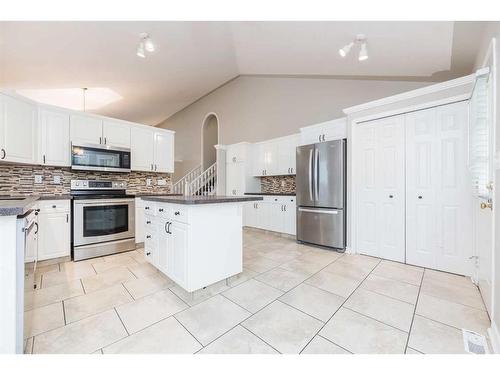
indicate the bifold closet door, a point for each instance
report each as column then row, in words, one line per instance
column 380, row 193
column 438, row 189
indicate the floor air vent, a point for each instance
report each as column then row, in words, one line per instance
column 474, row 342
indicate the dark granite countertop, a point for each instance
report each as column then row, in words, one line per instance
column 13, row 205
column 276, row 194
column 200, row 199
column 140, row 195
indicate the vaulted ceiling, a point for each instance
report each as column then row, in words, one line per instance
column 194, row 58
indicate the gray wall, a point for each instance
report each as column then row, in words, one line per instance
column 255, row 108
column 493, row 31
column 210, row 135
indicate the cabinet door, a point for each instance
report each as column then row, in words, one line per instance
column 116, row 134
column 18, row 131
column 259, row 164
column 179, row 251
column 164, row 246
column 271, row 159
column 139, row 220
column 164, row 152
column 235, row 179
column 335, row 130
column 86, row 129
column 142, row 149
column 284, row 157
column 54, row 140
column 289, row 217
column 53, row 235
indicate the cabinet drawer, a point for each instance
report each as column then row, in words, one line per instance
column 54, row 206
column 149, row 224
column 179, row 214
column 164, row 211
column 150, row 208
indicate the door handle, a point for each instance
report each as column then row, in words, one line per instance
column 4, row 154
column 311, row 174
column 319, row 211
column 486, row 205
column 316, row 168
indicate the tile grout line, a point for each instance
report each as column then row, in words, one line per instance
column 188, row 331
column 327, row 339
column 414, row 310
column 64, row 313
column 123, row 324
column 260, row 338
column 359, row 285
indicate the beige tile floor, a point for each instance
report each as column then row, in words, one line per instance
column 290, row 298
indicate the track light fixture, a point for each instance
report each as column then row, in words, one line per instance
column 145, row 44
column 363, row 51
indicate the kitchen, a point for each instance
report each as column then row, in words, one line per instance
column 255, row 216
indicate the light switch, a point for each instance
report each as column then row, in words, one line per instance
column 38, row 179
column 162, row 182
column 148, row 182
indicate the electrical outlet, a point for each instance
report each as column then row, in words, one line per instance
column 149, row 182
column 57, row 179
column 38, row 179
column 162, row 182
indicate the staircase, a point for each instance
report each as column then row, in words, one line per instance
column 180, row 186
column 205, row 183
column 196, row 182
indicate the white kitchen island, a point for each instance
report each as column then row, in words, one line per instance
column 197, row 240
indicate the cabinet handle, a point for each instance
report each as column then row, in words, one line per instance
column 319, row 138
column 166, row 227
column 391, row 196
column 176, row 213
column 155, row 167
column 151, row 166
column 160, row 210
column 36, row 224
column 4, row 154
column 43, row 159
column 148, row 222
column 234, row 159
column 148, row 253
column 146, row 208
column 169, row 225
column 281, row 208
column 419, row 197
column 148, row 236
column 54, row 206
column 67, row 218
column 105, row 140
column 284, row 207
column 100, row 140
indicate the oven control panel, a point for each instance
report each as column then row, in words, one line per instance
column 97, row 185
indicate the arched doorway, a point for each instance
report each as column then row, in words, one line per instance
column 209, row 138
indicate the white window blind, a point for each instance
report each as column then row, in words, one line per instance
column 479, row 138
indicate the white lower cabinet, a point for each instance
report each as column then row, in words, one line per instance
column 54, row 229
column 273, row 213
column 412, row 191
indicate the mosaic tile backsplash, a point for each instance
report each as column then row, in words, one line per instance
column 278, row 184
column 18, row 179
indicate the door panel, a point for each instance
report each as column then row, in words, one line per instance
column 329, row 174
column 86, row 129
column 142, row 149
column 380, row 188
column 305, row 174
column 116, row 134
column 55, row 143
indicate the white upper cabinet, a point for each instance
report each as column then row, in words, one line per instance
column 163, row 152
column 86, row 129
column 142, row 149
column 115, row 134
column 275, row 157
column 18, row 130
column 54, row 144
column 323, row 132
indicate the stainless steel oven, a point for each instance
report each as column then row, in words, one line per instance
column 100, row 158
column 103, row 218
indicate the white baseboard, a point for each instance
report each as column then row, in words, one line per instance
column 494, row 336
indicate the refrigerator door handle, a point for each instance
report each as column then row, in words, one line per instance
column 316, row 169
column 311, row 182
column 329, row 212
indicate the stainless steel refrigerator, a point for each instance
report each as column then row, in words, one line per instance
column 321, row 194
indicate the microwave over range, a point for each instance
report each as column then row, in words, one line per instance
column 92, row 157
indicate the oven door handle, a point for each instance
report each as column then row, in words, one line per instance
column 103, row 202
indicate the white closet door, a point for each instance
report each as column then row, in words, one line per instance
column 421, row 166
column 439, row 207
column 380, row 189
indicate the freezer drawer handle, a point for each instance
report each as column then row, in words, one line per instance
column 319, row 211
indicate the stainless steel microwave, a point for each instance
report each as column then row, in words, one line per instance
column 91, row 157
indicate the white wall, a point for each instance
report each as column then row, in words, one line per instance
column 255, row 108
column 492, row 30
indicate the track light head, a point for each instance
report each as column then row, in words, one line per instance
column 140, row 50
column 345, row 50
column 363, row 52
